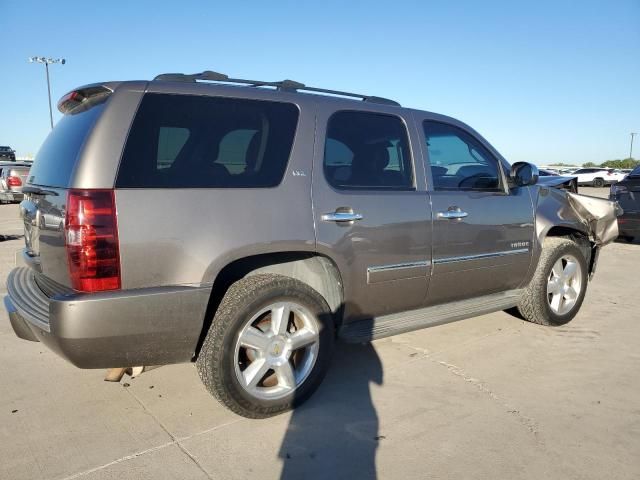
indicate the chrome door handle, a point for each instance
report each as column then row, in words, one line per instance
column 453, row 213
column 341, row 217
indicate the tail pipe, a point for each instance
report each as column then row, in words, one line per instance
column 116, row 374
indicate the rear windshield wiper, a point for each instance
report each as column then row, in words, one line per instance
column 39, row 191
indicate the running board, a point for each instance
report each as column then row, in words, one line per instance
column 396, row 323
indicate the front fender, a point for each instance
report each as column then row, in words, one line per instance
column 596, row 218
column 601, row 216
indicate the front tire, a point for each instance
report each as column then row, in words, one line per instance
column 268, row 347
column 558, row 287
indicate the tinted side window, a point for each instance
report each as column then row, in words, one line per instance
column 367, row 151
column 459, row 161
column 182, row 141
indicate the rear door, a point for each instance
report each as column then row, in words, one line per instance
column 371, row 211
column 482, row 232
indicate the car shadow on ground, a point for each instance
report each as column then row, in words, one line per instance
column 335, row 433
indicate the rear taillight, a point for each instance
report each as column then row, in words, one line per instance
column 14, row 181
column 91, row 235
column 617, row 189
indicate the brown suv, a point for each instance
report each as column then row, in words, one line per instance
column 245, row 225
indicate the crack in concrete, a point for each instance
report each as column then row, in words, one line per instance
column 177, row 441
column 119, row 460
column 171, row 435
column 531, row 424
column 528, row 422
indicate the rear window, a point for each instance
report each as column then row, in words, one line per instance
column 56, row 159
column 182, row 141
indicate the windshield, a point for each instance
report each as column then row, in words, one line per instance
column 635, row 172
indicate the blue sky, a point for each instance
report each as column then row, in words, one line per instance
column 543, row 81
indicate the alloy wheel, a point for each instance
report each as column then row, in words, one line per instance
column 276, row 350
column 564, row 284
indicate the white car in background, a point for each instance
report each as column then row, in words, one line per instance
column 597, row 177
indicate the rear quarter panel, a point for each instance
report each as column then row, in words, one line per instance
column 186, row 236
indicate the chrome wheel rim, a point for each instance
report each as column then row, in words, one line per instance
column 276, row 350
column 564, row 284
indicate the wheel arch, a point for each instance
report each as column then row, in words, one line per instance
column 317, row 271
column 581, row 238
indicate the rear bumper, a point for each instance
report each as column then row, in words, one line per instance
column 9, row 196
column 152, row 326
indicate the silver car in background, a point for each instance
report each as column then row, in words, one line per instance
column 13, row 177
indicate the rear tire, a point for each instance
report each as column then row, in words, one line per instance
column 268, row 347
column 558, row 287
column 598, row 182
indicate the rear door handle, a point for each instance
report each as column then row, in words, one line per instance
column 453, row 213
column 341, row 216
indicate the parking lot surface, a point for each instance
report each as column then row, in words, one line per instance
column 489, row 397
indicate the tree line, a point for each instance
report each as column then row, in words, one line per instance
column 624, row 163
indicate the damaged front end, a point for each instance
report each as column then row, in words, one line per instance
column 599, row 214
column 595, row 218
column 565, row 213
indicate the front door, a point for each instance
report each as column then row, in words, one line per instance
column 371, row 210
column 482, row 231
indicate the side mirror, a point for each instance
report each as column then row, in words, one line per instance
column 523, row 174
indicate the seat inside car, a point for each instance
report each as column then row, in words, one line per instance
column 368, row 168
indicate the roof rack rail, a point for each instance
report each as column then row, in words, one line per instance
column 283, row 85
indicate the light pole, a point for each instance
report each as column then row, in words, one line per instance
column 633, row 134
column 46, row 62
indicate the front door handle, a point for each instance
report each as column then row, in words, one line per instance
column 341, row 216
column 453, row 213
